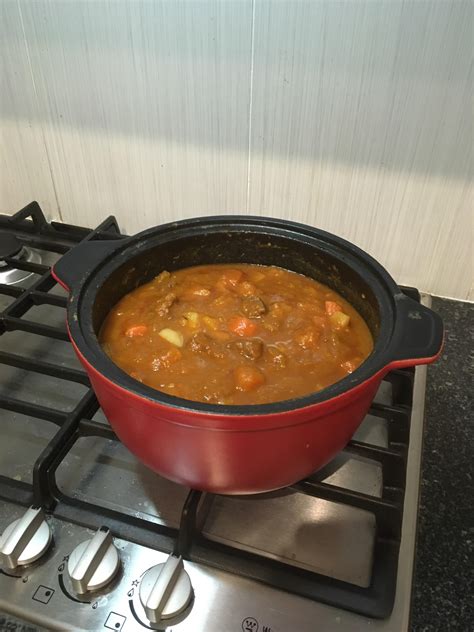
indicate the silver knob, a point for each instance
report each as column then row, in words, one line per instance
column 165, row 590
column 25, row 539
column 93, row 563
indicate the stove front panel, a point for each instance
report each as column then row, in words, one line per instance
column 42, row 593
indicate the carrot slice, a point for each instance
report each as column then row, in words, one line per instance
column 332, row 307
column 248, row 378
column 136, row 330
column 242, row 326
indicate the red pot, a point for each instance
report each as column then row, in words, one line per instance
column 240, row 449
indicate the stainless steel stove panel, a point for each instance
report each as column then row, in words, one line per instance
column 301, row 531
column 105, row 472
column 23, row 440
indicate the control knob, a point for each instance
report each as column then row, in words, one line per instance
column 25, row 540
column 93, row 563
column 165, row 590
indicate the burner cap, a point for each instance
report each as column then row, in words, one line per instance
column 9, row 245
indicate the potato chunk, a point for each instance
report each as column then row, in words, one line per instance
column 171, row 335
column 339, row 320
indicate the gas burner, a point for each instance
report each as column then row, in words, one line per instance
column 12, row 248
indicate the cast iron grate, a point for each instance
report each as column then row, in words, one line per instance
column 31, row 228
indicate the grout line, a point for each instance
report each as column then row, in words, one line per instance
column 252, row 50
column 27, row 48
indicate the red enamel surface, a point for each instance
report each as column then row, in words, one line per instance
column 232, row 454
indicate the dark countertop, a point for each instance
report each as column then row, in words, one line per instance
column 443, row 578
column 443, row 582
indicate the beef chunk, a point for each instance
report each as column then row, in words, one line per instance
column 163, row 304
column 202, row 343
column 251, row 349
column 253, row 306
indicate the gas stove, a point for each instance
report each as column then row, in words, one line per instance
column 92, row 540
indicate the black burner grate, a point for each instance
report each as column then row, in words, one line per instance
column 31, row 228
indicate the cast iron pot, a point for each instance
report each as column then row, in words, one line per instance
column 240, row 449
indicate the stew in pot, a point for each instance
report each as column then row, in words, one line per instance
column 235, row 334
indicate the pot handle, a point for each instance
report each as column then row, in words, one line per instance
column 418, row 335
column 78, row 262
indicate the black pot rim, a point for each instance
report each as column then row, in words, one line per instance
column 82, row 296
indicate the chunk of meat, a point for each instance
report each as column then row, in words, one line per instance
column 251, row 349
column 163, row 305
column 202, row 343
column 253, row 306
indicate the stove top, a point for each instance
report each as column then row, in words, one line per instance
column 332, row 552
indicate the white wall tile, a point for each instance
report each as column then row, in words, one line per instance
column 24, row 166
column 360, row 119
column 362, row 125
column 145, row 106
